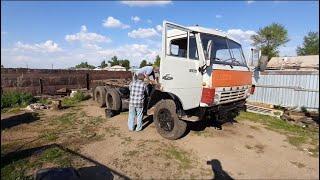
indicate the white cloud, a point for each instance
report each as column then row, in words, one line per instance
column 241, row 35
column 112, row 22
column 92, row 46
column 143, row 33
column 135, row 19
column 250, row 2
column 85, row 36
column 47, row 47
column 22, row 58
column 146, row 3
column 134, row 52
column 218, row 16
column 149, row 21
column 159, row 28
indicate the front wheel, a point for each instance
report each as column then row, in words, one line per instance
column 167, row 121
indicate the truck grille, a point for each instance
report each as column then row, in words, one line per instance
column 234, row 95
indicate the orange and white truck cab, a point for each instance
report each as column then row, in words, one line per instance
column 203, row 67
column 202, row 71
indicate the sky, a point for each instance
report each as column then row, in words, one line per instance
column 62, row 34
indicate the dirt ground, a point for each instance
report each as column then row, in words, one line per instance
column 241, row 150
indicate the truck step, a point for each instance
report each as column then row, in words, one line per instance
column 263, row 110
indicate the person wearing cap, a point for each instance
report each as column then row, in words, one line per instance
column 138, row 90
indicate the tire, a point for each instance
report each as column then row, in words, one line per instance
column 113, row 101
column 166, row 120
column 100, row 96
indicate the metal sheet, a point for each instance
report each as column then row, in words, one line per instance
column 287, row 89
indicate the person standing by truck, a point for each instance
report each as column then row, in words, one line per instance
column 148, row 71
column 138, row 89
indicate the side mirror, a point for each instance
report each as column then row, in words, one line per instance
column 255, row 57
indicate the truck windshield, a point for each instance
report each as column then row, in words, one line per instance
column 221, row 50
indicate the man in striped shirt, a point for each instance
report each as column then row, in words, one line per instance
column 138, row 89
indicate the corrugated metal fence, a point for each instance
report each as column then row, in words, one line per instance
column 287, row 88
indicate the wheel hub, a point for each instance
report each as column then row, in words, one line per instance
column 165, row 120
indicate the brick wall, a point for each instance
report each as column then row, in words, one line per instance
column 28, row 80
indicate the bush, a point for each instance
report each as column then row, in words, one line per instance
column 77, row 97
column 16, row 99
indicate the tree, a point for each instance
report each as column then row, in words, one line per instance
column 103, row 64
column 125, row 63
column 143, row 63
column 114, row 61
column 157, row 61
column 85, row 65
column 270, row 38
column 310, row 44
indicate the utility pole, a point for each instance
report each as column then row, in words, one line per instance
column 51, row 66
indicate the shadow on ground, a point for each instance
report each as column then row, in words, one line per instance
column 219, row 173
column 98, row 171
column 201, row 125
column 14, row 120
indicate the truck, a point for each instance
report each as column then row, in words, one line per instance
column 203, row 72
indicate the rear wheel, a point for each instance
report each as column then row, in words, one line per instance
column 113, row 100
column 100, row 96
column 167, row 121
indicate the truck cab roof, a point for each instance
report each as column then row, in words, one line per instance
column 175, row 32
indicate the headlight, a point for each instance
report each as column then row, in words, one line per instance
column 216, row 98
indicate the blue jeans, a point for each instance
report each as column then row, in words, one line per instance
column 135, row 112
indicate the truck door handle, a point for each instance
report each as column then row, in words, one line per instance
column 167, row 77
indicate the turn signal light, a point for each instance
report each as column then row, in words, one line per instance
column 207, row 95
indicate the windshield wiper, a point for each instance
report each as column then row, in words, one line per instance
column 231, row 59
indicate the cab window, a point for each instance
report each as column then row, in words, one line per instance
column 178, row 47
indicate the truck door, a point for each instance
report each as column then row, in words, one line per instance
column 180, row 60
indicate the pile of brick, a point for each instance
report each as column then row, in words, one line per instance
column 301, row 118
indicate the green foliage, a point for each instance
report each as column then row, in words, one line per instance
column 44, row 101
column 114, row 61
column 77, row 97
column 16, row 99
column 157, row 61
column 124, row 63
column 296, row 135
column 270, row 38
column 49, row 136
column 103, row 64
column 304, row 109
column 56, row 156
column 145, row 63
column 179, row 155
column 310, row 45
column 85, row 65
column 23, row 168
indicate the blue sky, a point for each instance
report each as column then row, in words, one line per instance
column 65, row 33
